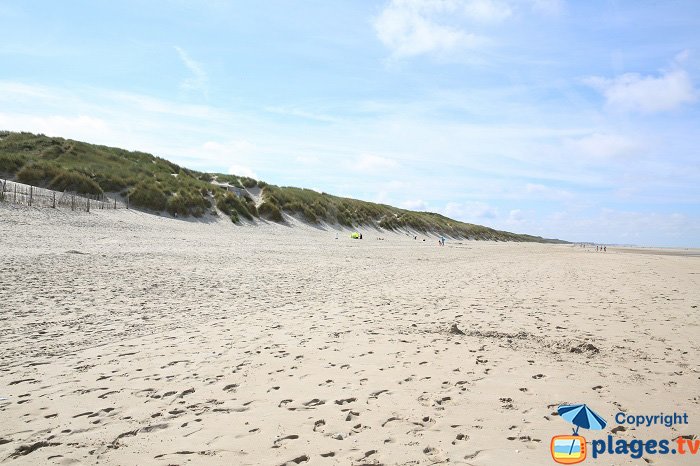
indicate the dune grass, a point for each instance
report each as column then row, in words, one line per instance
column 158, row 185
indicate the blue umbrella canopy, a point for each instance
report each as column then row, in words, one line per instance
column 582, row 416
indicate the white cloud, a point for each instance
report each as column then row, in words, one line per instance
column 469, row 211
column 19, row 91
column 242, row 170
column 632, row 92
column 199, row 79
column 396, row 185
column 414, row 27
column 306, row 159
column 296, row 112
column 540, row 191
column 548, row 7
column 626, row 227
column 237, row 155
column 232, row 148
column 487, row 10
column 372, row 164
column 603, row 146
column 415, row 204
column 535, row 188
column 155, row 105
column 80, row 127
column 516, row 217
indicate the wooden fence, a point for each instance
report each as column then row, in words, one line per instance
column 33, row 196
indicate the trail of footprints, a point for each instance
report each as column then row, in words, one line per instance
column 201, row 358
column 343, row 417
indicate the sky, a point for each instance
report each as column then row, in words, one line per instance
column 577, row 120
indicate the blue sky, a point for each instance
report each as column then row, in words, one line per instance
column 577, row 120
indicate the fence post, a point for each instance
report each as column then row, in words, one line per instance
column 88, row 203
column 31, row 194
column 127, row 200
column 15, row 201
column 115, row 203
column 2, row 196
column 72, row 202
column 54, row 199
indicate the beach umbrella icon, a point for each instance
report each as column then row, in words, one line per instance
column 581, row 416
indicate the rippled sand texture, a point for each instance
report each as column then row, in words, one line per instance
column 134, row 339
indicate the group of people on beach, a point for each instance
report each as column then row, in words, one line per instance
column 597, row 248
column 356, row 235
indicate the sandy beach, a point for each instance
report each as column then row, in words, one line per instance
column 130, row 338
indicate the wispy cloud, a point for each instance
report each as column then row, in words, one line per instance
column 414, row 27
column 297, row 112
column 548, row 7
column 242, row 170
column 470, row 211
column 633, row 92
column 487, row 10
column 415, row 204
column 155, row 105
column 372, row 164
column 603, row 146
column 410, row 28
column 199, row 79
column 541, row 191
column 80, row 126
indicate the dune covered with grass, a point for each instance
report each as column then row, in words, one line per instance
column 155, row 184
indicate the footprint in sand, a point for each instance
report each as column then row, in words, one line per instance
column 313, row 403
column 507, row 403
column 367, row 454
column 393, row 418
column 297, row 460
column 375, row 395
column 346, row 400
column 278, row 442
column 318, row 424
column 471, row 456
column 435, row 454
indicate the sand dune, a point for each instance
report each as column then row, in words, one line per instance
column 134, row 339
